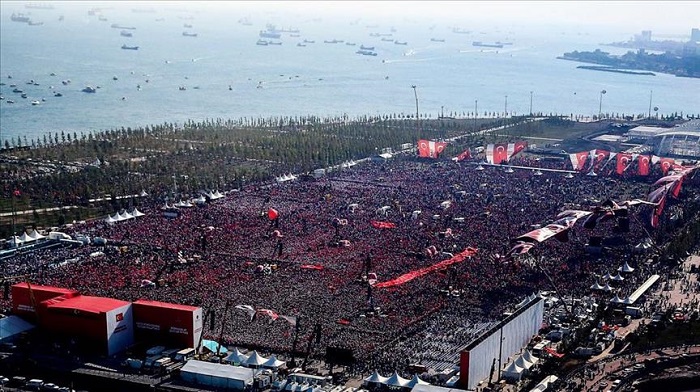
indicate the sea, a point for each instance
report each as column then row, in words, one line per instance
column 223, row 73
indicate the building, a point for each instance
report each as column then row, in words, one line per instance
column 681, row 141
column 171, row 324
column 695, row 35
column 104, row 323
column 644, row 132
column 26, row 297
column 11, row 327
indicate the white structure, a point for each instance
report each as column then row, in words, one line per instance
column 217, row 375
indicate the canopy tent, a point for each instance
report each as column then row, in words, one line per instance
column 416, row 381
column 200, row 200
column 513, row 372
column 255, row 360
column 33, row 236
column 273, row 363
column 530, row 358
column 376, row 378
column 606, row 276
column 597, row 286
column 617, row 300
column 626, row 268
column 396, row 381
column 214, row 347
column 143, row 194
column 236, row 357
column 521, row 362
column 36, row 235
column 183, row 204
column 617, row 278
column 607, row 287
column 136, row 213
column 125, row 215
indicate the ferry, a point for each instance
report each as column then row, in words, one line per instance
column 125, row 33
column 366, row 52
column 269, row 34
column 19, row 18
column 116, row 26
column 130, row 47
column 487, row 45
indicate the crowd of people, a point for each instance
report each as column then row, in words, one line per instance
column 230, row 252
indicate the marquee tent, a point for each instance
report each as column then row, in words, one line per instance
column 396, row 381
column 513, row 372
column 236, row 357
column 626, row 268
column 255, row 360
column 376, row 378
column 273, row 363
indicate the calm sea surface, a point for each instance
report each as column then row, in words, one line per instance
column 289, row 80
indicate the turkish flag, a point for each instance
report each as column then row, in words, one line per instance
column 623, row 161
column 272, row 214
column 430, row 149
column 666, row 164
column 497, row 153
column 643, row 165
column 578, row 160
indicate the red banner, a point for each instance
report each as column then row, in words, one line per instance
column 578, row 160
column 623, row 162
column 383, row 225
column 643, row 165
column 424, row 271
column 666, row 164
column 430, row 149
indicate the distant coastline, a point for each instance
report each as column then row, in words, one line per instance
column 616, row 70
column 639, row 60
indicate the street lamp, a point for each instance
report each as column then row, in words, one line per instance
column 505, row 109
column 651, row 93
column 415, row 93
column 600, row 104
column 530, row 103
column 476, row 112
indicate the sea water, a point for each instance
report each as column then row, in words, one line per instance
column 225, row 75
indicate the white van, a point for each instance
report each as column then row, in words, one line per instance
column 35, row 384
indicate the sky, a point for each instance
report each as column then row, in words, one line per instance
column 667, row 16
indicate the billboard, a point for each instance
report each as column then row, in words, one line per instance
column 172, row 324
column 497, row 344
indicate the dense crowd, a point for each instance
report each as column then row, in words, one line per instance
column 229, row 252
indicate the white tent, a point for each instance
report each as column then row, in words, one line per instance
column 125, row 216
column 617, row 300
column 521, row 362
column 626, row 268
column 512, row 372
column 416, row 381
column 143, row 194
column 236, row 357
column 273, row 363
column 110, row 219
column 200, row 200
column 617, row 278
column 36, row 235
column 530, row 358
column 376, row 378
column 607, row 287
column 479, row 168
column 597, row 286
column 606, row 276
column 136, row 213
column 255, row 360
column 25, row 238
column 396, row 381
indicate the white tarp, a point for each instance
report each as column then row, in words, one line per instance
column 217, row 375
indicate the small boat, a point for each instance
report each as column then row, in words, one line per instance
column 116, row 26
column 19, row 18
column 362, row 47
column 306, row 41
column 333, row 41
column 115, row 78
column 186, row 34
column 301, row 45
column 130, row 47
column 350, row 43
column 182, row 88
column 89, row 89
column 17, row 91
column 34, row 103
column 274, row 42
column 295, row 35
column 437, row 40
column 102, row 18
column 262, row 42
column 24, row 95
column 10, row 101
column 387, row 40
column 269, row 34
column 486, row 45
column 125, row 33
column 187, row 26
column 32, row 23
column 400, row 42
column 58, row 95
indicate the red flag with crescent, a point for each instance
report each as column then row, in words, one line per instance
column 578, row 160
column 497, row 153
column 430, row 149
column 666, row 164
column 623, row 161
column 643, row 165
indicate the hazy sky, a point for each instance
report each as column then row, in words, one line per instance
column 673, row 16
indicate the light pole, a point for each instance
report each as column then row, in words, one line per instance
column 651, row 93
column 505, row 108
column 442, row 111
column 500, row 354
column 600, row 104
column 415, row 94
column 530, row 103
column 476, row 112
